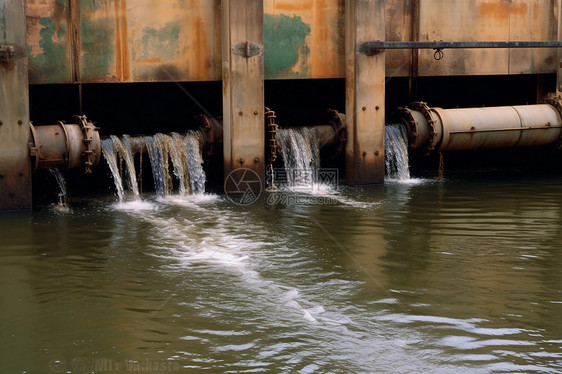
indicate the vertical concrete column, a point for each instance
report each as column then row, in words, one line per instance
column 559, row 65
column 365, row 79
column 243, row 89
column 15, row 166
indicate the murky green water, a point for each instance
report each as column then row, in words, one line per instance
column 434, row 277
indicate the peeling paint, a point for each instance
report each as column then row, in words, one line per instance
column 284, row 42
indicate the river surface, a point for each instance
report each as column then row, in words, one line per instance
column 405, row 277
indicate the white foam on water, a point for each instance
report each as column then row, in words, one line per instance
column 196, row 201
column 135, row 205
column 322, row 194
column 227, row 244
column 408, row 181
column 466, row 325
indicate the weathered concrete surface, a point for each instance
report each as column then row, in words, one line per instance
column 304, row 39
column 365, row 93
column 124, row 41
column 15, row 168
column 243, row 89
column 180, row 40
column 480, row 20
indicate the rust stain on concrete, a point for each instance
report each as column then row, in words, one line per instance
column 122, row 63
column 502, row 9
column 201, row 50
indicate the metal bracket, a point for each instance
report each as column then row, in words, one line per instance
column 370, row 48
column 247, row 49
column 7, row 53
column 88, row 154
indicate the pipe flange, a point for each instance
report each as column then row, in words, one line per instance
column 426, row 111
column 33, row 148
column 556, row 102
column 211, row 131
column 89, row 155
column 337, row 121
column 407, row 118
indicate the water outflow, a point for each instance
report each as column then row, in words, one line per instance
column 396, row 152
column 301, row 156
column 62, row 186
column 176, row 162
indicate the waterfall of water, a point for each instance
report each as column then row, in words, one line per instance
column 111, row 158
column 178, row 155
column 158, row 151
column 301, row 156
column 192, row 145
column 396, row 152
column 125, row 153
column 62, row 186
column 183, row 151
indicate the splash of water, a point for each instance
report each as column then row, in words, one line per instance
column 301, row 156
column 396, row 152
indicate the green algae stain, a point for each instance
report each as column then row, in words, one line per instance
column 97, row 39
column 3, row 35
column 160, row 43
column 98, row 48
column 53, row 65
column 284, row 37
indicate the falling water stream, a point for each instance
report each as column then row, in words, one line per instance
column 180, row 154
column 396, row 152
column 126, row 155
column 56, row 173
column 301, row 156
column 111, row 158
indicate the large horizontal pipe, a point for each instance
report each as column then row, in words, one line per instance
column 480, row 128
column 65, row 146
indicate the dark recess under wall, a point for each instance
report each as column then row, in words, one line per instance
column 148, row 108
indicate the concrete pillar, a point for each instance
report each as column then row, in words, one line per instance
column 559, row 65
column 243, row 89
column 15, row 166
column 365, row 80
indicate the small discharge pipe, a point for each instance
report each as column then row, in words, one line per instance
column 65, row 146
column 482, row 128
column 331, row 131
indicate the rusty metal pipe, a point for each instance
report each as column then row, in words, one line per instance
column 332, row 132
column 65, row 146
column 326, row 134
column 482, row 128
